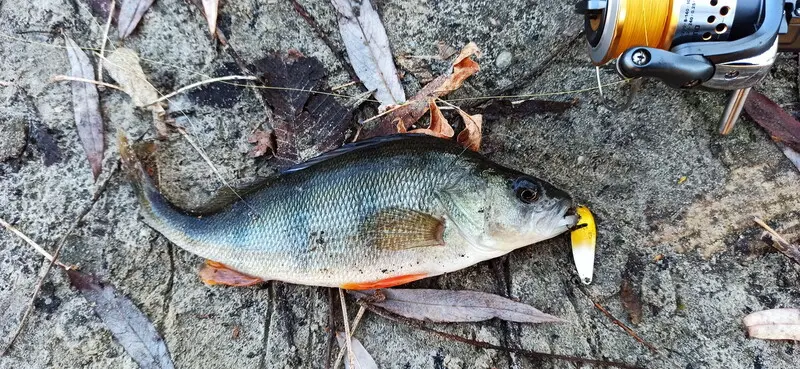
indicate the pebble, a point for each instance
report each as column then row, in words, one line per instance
column 504, row 60
column 13, row 132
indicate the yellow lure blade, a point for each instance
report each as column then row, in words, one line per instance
column 584, row 239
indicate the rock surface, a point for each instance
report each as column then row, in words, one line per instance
column 690, row 247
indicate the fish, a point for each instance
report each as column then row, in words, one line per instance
column 372, row 214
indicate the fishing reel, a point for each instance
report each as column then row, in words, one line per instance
column 714, row 44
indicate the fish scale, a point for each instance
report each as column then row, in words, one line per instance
column 395, row 208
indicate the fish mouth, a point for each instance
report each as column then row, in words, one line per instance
column 568, row 218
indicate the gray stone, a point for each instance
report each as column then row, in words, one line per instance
column 708, row 279
column 12, row 137
column 504, row 60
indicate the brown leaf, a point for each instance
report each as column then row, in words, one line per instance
column 123, row 66
column 86, row 106
column 362, row 358
column 779, row 124
column 129, row 326
column 264, row 143
column 439, row 126
column 417, row 106
column 367, row 46
column 306, row 124
column 130, row 13
column 775, row 324
column 470, row 137
column 453, row 306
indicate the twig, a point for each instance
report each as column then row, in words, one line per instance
column 342, row 350
column 790, row 251
column 105, row 39
column 339, row 87
column 62, row 78
column 387, row 112
column 348, row 335
column 532, row 354
column 213, row 167
column 619, row 323
column 6, row 83
column 197, row 84
column 35, row 246
column 54, row 260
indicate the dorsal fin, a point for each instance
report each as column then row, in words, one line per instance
column 355, row 146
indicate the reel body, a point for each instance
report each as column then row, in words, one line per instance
column 715, row 44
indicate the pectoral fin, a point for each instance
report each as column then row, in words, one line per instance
column 399, row 229
column 214, row 273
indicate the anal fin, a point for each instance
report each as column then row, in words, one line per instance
column 384, row 283
column 214, row 273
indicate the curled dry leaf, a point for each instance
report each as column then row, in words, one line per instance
column 86, row 106
column 368, row 47
column 362, row 358
column 410, row 112
column 123, row 66
column 453, row 306
column 129, row 326
column 470, row 137
column 775, row 324
column 439, row 126
column 130, row 13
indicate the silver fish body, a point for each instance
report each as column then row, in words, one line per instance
column 391, row 209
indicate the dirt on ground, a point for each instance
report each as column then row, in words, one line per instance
column 686, row 248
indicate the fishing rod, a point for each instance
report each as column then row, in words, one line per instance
column 726, row 45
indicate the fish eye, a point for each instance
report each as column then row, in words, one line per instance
column 526, row 190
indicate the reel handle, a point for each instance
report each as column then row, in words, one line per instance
column 675, row 70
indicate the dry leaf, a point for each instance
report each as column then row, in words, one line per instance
column 439, row 126
column 417, row 106
column 86, row 105
column 363, row 360
column 130, row 13
column 123, row 66
column 775, row 324
column 306, row 124
column 781, row 125
column 470, row 137
column 793, row 155
column 368, row 48
column 210, row 10
column 264, row 143
column 453, row 306
column 129, row 326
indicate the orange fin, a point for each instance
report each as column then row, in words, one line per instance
column 384, row 283
column 214, row 273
